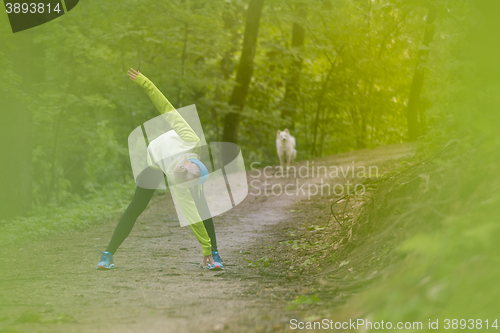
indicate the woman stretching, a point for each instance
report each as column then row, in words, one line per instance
column 175, row 154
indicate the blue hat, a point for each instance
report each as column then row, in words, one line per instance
column 203, row 168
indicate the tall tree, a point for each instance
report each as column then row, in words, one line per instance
column 290, row 100
column 418, row 76
column 245, row 71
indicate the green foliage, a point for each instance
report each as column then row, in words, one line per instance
column 86, row 106
column 262, row 262
column 81, row 213
column 42, row 318
column 303, row 300
column 307, row 299
column 448, row 206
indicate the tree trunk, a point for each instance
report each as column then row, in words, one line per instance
column 15, row 175
column 362, row 133
column 15, row 129
column 292, row 88
column 320, row 106
column 245, row 71
column 183, row 64
column 418, row 77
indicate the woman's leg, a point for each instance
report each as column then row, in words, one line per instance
column 209, row 225
column 148, row 181
column 201, row 204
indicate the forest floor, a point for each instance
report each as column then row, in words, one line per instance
column 281, row 257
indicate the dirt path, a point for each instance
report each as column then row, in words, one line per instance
column 159, row 286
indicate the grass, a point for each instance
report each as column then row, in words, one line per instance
column 445, row 212
column 78, row 215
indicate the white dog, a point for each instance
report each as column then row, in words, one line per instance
column 285, row 144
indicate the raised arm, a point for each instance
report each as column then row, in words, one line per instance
column 179, row 124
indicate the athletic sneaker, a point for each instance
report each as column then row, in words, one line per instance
column 106, row 261
column 216, row 267
column 217, row 257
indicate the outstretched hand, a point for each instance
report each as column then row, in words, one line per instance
column 209, row 258
column 133, row 73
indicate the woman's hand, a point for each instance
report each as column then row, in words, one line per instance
column 209, row 258
column 133, row 73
